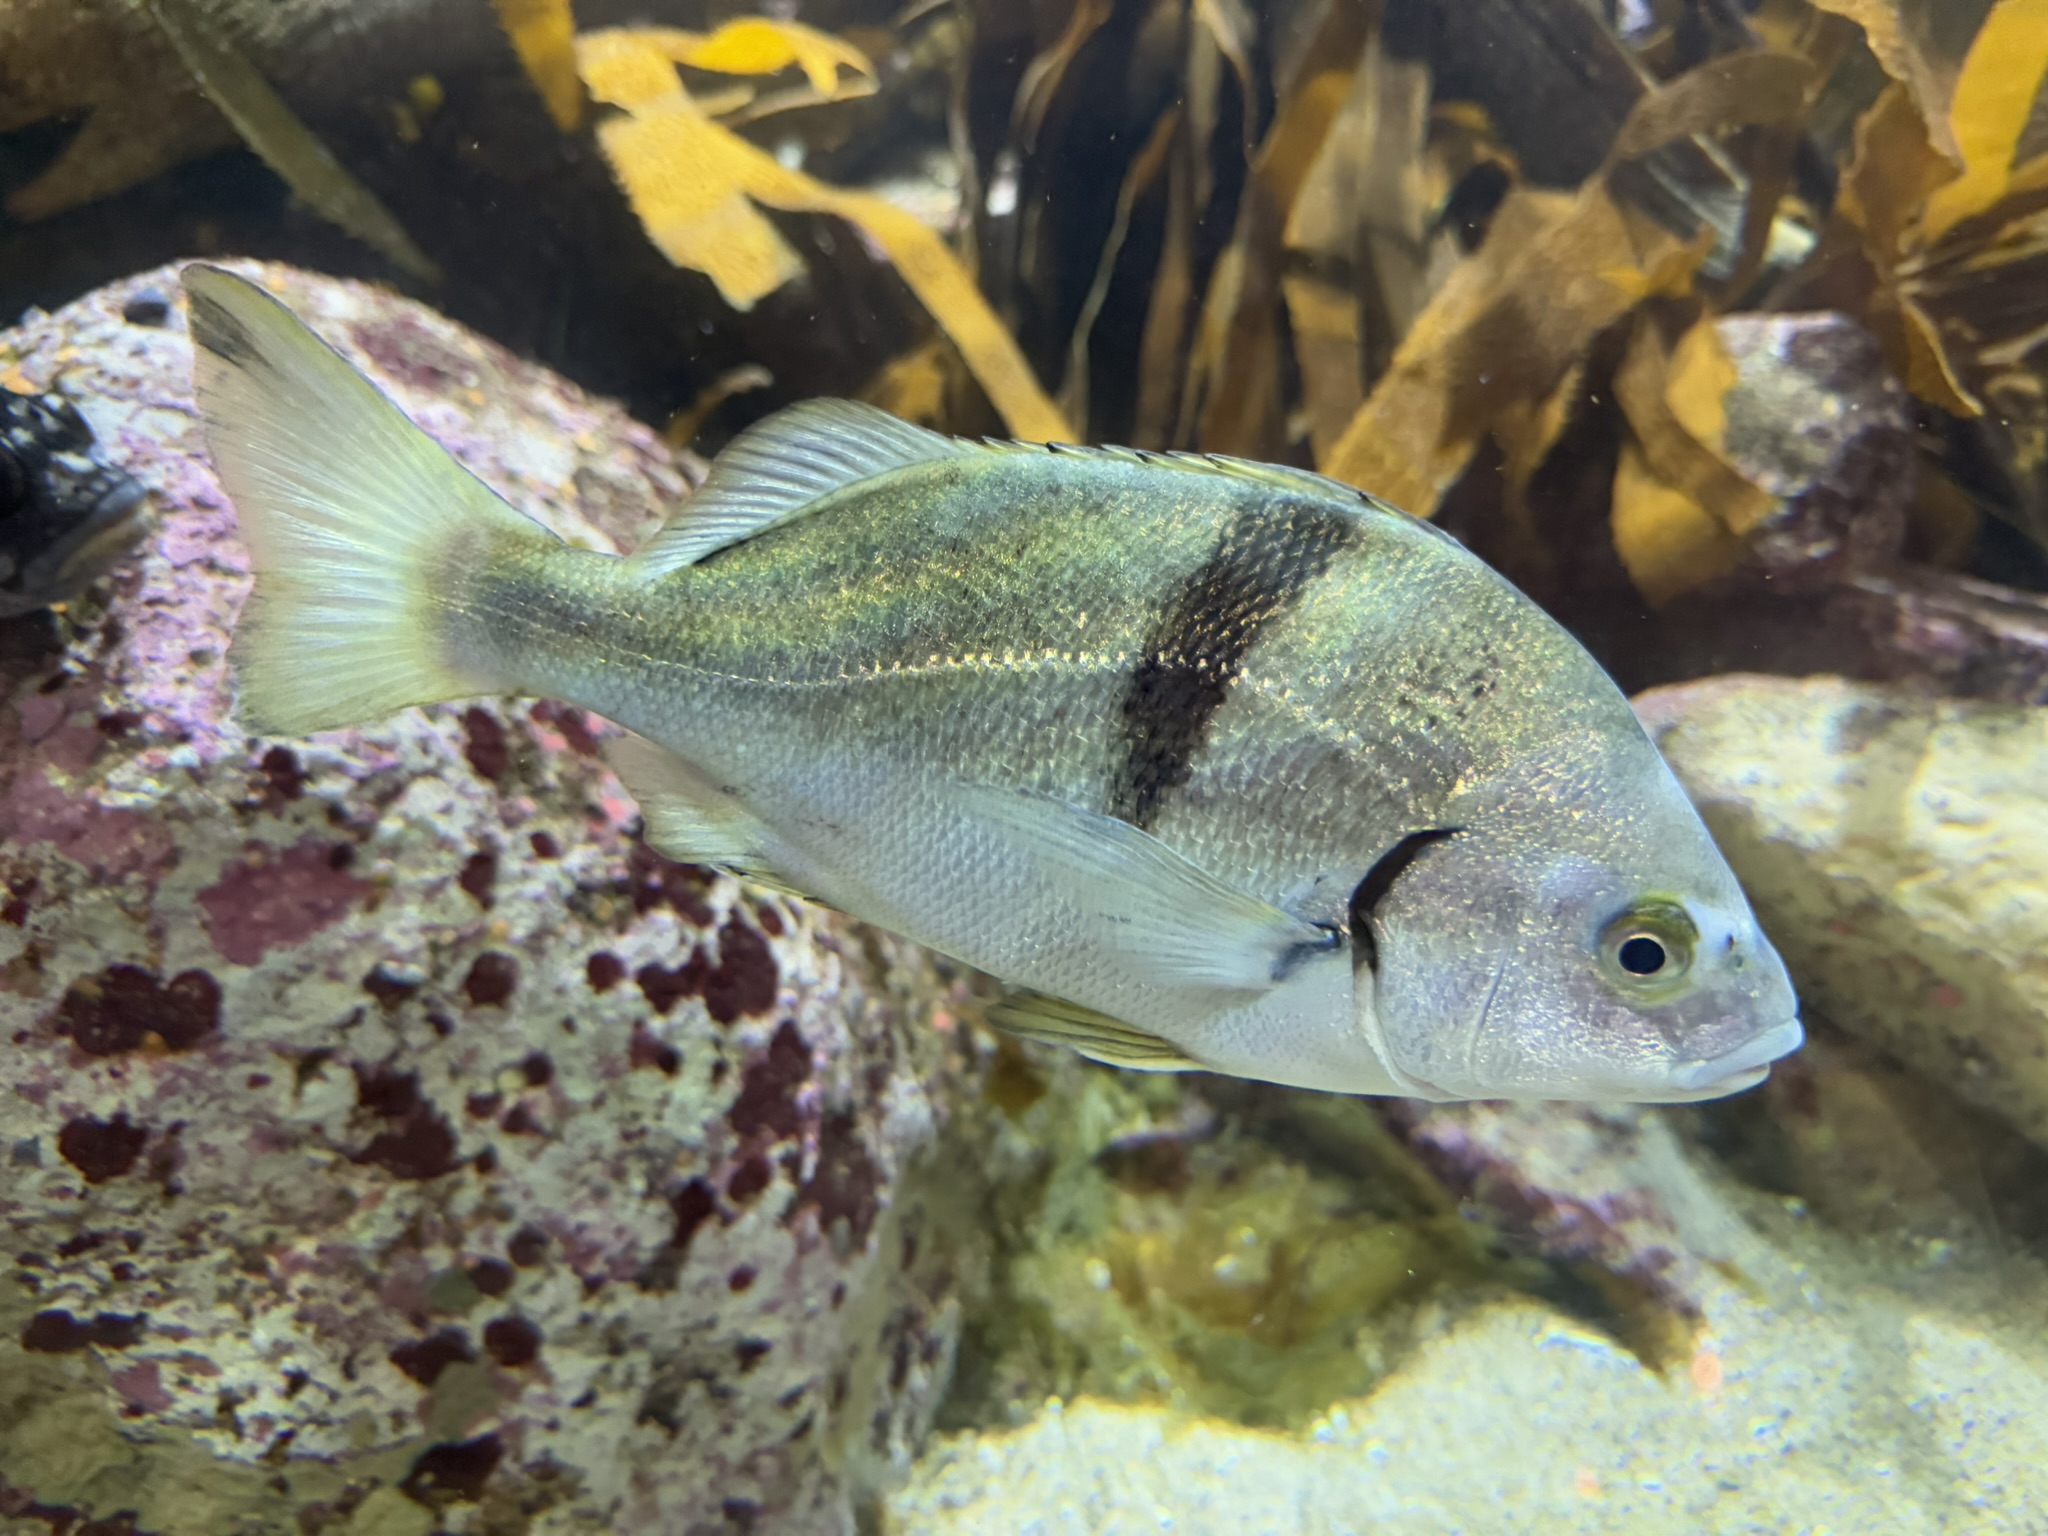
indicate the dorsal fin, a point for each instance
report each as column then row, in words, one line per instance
column 781, row 468
column 784, row 466
column 1282, row 477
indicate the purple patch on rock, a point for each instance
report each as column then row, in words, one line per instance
column 491, row 1276
column 512, row 1341
column 420, row 1143
column 479, row 877
column 422, row 1148
column 281, row 770
column 769, row 1091
column 604, row 971
column 847, row 1185
column 56, row 1332
column 278, row 896
column 122, row 1007
column 664, row 987
column 142, row 1389
column 693, row 1205
column 425, row 1359
column 746, row 979
column 101, row 1149
column 748, row 1180
column 491, row 980
column 406, row 351
column 645, row 1050
column 454, row 1470
column 483, row 743
column 660, row 882
column 112, row 843
column 572, row 723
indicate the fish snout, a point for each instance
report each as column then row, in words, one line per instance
column 1743, row 1067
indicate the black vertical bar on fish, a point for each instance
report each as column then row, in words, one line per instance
column 1196, row 653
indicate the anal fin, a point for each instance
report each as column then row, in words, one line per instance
column 690, row 819
column 1053, row 1021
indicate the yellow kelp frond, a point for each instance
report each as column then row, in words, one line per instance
column 834, row 69
column 1680, row 507
column 689, row 180
column 1515, row 320
column 758, row 45
column 695, row 185
column 1899, row 34
column 1933, row 226
column 1667, row 540
column 1994, row 99
column 543, row 34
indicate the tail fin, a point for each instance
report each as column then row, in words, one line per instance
column 350, row 513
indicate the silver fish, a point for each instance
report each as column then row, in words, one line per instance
column 1217, row 764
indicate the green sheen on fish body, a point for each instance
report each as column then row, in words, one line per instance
column 1215, row 764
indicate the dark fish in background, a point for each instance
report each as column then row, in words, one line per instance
column 65, row 517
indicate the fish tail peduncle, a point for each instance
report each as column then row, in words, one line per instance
column 355, row 521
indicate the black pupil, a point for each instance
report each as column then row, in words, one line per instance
column 1642, row 956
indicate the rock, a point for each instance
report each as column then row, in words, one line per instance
column 1948, row 634
column 1815, row 418
column 391, row 1142
column 1895, row 847
column 1599, row 1195
column 1155, row 1243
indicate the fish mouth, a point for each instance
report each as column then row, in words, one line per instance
column 1744, row 1067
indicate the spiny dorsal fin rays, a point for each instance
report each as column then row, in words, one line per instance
column 1279, row 476
column 788, row 465
column 785, row 467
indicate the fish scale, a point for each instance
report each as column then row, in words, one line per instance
column 1050, row 642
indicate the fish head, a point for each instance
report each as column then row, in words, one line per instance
column 1578, row 936
column 65, row 517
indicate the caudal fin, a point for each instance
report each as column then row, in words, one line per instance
column 350, row 513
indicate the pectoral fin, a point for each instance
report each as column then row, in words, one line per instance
column 1097, row 1036
column 1151, row 915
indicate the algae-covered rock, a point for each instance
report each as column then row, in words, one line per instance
column 1896, row 848
column 388, row 1142
column 1187, row 1241
column 1887, row 1386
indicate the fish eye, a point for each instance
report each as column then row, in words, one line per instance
column 1650, row 944
column 1641, row 955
